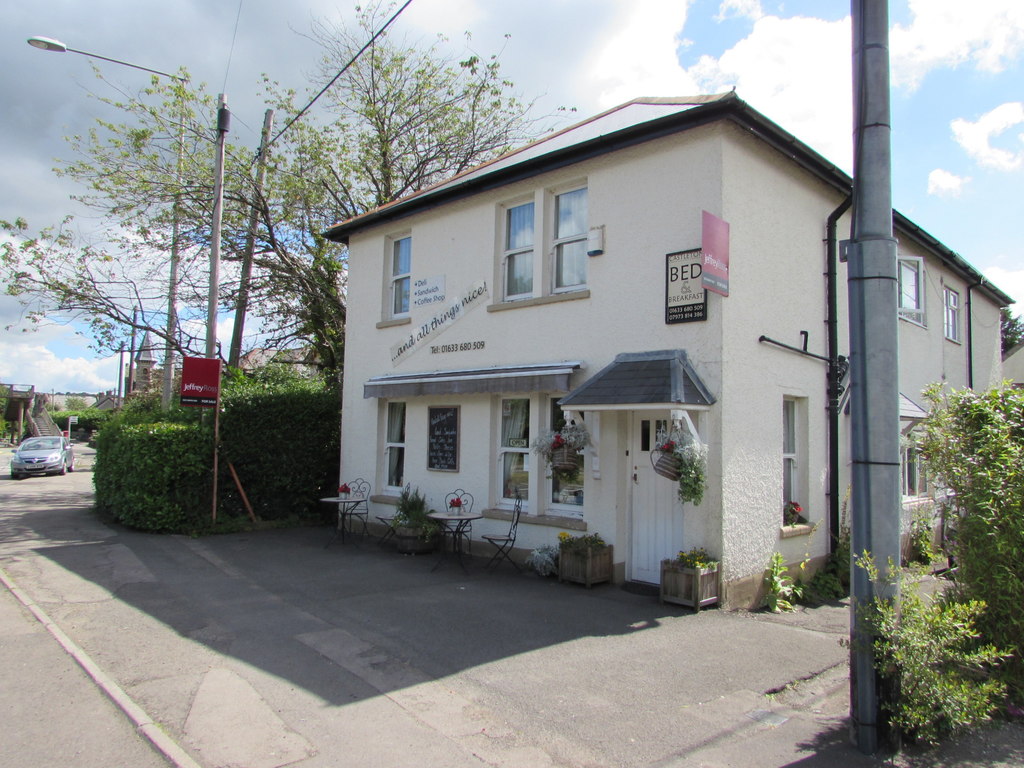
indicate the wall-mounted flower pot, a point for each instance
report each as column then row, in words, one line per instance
column 589, row 566
column 695, row 587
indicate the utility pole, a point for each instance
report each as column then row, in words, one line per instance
column 223, row 126
column 874, row 359
column 242, row 306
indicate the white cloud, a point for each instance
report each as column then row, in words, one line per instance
column 988, row 34
column 29, row 361
column 748, row 9
column 640, row 54
column 976, row 138
column 1012, row 282
column 942, row 183
column 816, row 105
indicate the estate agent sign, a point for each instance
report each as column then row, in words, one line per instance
column 685, row 297
column 715, row 245
column 200, row 381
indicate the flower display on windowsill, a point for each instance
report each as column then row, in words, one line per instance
column 792, row 514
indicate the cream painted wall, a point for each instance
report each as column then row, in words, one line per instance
column 649, row 199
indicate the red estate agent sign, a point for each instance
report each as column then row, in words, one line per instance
column 715, row 246
column 200, row 381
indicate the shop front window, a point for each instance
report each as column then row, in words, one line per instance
column 514, row 450
column 566, row 485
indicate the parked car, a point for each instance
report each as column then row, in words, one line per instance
column 43, row 456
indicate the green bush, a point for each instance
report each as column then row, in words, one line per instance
column 974, row 443
column 88, row 420
column 155, row 477
column 930, row 652
column 279, row 432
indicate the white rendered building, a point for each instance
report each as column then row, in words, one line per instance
column 564, row 280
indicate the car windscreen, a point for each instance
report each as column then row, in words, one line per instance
column 41, row 445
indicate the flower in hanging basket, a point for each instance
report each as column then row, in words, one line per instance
column 792, row 513
column 559, row 449
column 669, row 446
column 455, row 503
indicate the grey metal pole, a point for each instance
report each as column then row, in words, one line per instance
column 172, row 286
column 874, row 356
column 223, row 125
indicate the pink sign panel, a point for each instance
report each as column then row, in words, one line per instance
column 715, row 247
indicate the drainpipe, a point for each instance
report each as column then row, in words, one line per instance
column 969, row 331
column 837, row 365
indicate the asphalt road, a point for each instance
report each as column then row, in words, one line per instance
column 269, row 649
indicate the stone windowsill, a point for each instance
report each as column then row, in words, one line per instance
column 538, row 300
column 789, row 531
column 396, row 321
column 499, row 513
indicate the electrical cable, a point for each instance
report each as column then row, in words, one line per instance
column 323, row 90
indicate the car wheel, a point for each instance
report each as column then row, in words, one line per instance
column 71, row 467
column 63, row 468
column 16, row 476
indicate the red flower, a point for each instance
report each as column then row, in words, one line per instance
column 343, row 488
column 557, row 443
column 668, row 447
column 456, row 502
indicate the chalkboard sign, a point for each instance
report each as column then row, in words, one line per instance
column 443, row 438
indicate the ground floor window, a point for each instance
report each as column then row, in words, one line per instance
column 913, row 480
column 794, row 453
column 395, row 444
column 514, row 448
column 566, row 485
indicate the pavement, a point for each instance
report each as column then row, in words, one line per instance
column 267, row 649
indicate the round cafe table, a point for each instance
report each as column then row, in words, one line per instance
column 348, row 508
column 454, row 524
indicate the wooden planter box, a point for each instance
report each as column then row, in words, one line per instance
column 589, row 567
column 410, row 541
column 695, row 587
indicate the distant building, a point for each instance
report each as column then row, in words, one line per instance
column 1013, row 365
column 655, row 272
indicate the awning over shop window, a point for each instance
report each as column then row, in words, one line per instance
column 540, row 377
column 664, row 378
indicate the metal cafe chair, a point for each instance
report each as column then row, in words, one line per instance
column 504, row 543
column 355, row 507
column 464, row 505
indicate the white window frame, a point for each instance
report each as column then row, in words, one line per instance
column 398, row 278
column 560, row 242
column 913, row 480
column 911, row 308
column 564, row 508
column 793, row 479
column 394, row 442
column 951, row 314
column 511, row 254
column 506, row 450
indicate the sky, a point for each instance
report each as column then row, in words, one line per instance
column 957, row 75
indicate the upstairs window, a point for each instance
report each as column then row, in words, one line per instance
column 911, row 286
column 401, row 272
column 951, row 316
column 570, row 268
column 518, row 267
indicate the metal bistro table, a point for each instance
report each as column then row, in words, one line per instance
column 348, row 508
column 454, row 525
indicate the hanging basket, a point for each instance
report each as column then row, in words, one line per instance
column 668, row 465
column 564, row 459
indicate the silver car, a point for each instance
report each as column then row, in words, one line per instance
column 43, row 456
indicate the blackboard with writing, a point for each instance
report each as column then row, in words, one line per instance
column 443, row 438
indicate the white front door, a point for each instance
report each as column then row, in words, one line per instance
column 657, row 527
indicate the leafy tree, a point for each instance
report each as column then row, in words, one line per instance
column 75, row 403
column 401, row 117
column 974, row 443
column 1011, row 329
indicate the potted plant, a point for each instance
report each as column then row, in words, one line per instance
column 585, row 559
column 559, row 448
column 684, row 463
column 793, row 514
column 415, row 533
column 344, row 491
column 691, row 578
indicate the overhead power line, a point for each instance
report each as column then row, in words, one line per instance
column 327, row 87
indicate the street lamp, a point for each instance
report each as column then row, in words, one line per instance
column 56, row 46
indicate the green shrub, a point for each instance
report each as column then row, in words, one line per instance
column 89, row 419
column 930, row 652
column 974, row 443
column 780, row 589
column 155, row 477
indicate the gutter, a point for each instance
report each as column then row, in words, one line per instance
column 837, row 368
